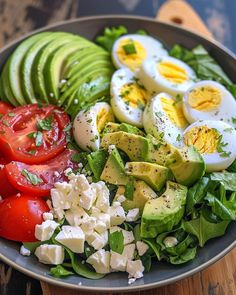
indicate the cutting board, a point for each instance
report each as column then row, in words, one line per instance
column 220, row 278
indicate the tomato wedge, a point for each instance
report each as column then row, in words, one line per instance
column 39, row 179
column 34, row 134
column 5, row 107
column 18, row 216
column 6, row 188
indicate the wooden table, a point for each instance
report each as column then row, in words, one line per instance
column 218, row 279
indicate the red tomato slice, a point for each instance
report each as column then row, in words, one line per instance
column 42, row 177
column 34, row 134
column 6, row 188
column 5, row 107
column 19, row 215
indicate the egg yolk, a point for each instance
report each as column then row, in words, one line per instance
column 205, row 98
column 134, row 95
column 172, row 72
column 103, row 117
column 174, row 111
column 203, row 138
column 131, row 60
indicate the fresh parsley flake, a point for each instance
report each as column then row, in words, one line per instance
column 6, row 123
column 11, row 114
column 233, row 120
column 31, row 178
column 178, row 138
column 129, row 48
column 45, row 124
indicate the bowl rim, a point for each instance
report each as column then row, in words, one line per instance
column 131, row 287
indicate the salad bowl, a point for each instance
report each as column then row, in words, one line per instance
column 161, row 273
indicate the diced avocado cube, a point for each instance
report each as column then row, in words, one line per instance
column 135, row 146
column 131, row 129
column 163, row 213
column 142, row 193
column 111, row 127
column 97, row 161
column 114, row 169
column 153, row 174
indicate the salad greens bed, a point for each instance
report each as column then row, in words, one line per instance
column 210, row 203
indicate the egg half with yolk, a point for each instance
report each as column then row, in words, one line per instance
column 131, row 50
column 215, row 141
column 209, row 100
column 166, row 74
column 89, row 124
column 128, row 97
column 163, row 118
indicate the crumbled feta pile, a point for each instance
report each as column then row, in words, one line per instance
column 86, row 208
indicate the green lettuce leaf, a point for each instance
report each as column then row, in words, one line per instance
column 110, row 35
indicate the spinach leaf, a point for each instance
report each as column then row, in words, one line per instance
column 116, row 241
column 155, row 247
column 196, row 194
column 59, row 271
column 129, row 190
column 110, row 35
column 181, row 247
column 146, row 261
column 227, row 179
column 218, row 208
column 136, row 232
column 203, row 64
column 232, row 167
column 205, row 230
column 188, row 255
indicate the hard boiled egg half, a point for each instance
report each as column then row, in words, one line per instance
column 131, row 50
column 209, row 100
column 88, row 125
column 215, row 140
column 128, row 97
column 164, row 118
column 166, row 74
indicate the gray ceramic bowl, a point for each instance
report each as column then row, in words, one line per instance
column 161, row 273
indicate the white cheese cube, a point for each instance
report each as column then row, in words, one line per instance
column 50, row 254
column 117, row 215
column 64, row 187
column 82, row 182
column 75, row 216
column 128, row 235
column 60, row 202
column 100, row 260
column 102, row 194
column 100, row 226
column 116, row 204
column 44, row 231
column 170, row 241
column 100, row 241
column 88, row 224
column 72, row 237
column 132, row 215
column 142, row 248
column 135, row 269
column 121, row 199
column 47, row 216
column 87, row 199
column 118, row 262
column 24, row 251
column 95, row 211
column 104, row 217
column 128, row 251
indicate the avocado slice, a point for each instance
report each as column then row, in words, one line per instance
column 54, row 67
column 131, row 129
column 188, row 167
column 153, row 174
column 40, row 62
column 97, row 161
column 142, row 193
column 135, row 146
column 111, row 127
column 27, row 64
column 162, row 214
column 114, row 170
column 15, row 63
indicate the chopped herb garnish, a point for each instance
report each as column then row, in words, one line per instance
column 234, row 120
column 32, row 152
column 31, row 178
column 1, row 115
column 6, row 123
column 11, row 114
column 68, row 127
column 178, row 99
column 89, row 121
column 162, row 134
column 129, row 48
column 229, row 130
column 178, row 138
column 39, row 138
column 225, row 154
column 159, row 114
column 45, row 124
column 220, row 146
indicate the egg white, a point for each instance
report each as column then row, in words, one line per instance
column 225, row 112
column 215, row 161
column 157, row 122
column 123, row 112
column 85, row 127
column 153, row 47
column 156, row 83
